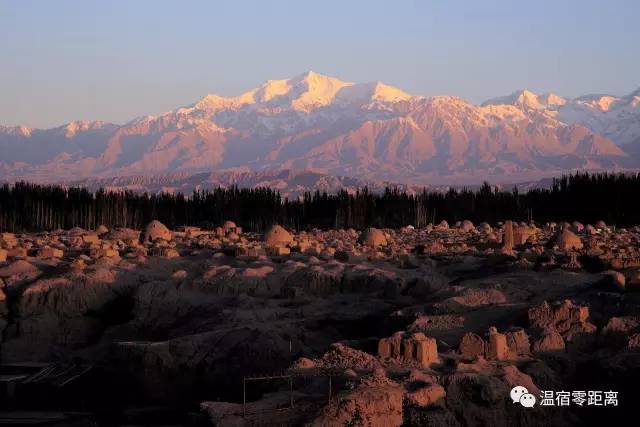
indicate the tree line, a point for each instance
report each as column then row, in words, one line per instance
column 583, row 197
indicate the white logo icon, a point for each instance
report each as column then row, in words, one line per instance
column 517, row 392
column 521, row 395
column 528, row 400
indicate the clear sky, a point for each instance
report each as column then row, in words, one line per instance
column 114, row 60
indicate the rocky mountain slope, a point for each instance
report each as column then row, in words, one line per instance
column 371, row 131
column 289, row 183
column 616, row 118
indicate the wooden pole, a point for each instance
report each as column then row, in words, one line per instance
column 329, row 388
column 291, row 390
column 244, row 397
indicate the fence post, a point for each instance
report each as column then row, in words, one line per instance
column 291, row 389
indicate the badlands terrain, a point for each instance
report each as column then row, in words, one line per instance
column 421, row 327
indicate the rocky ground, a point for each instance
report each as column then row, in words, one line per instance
column 430, row 326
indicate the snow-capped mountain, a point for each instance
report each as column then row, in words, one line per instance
column 367, row 130
column 616, row 118
column 527, row 100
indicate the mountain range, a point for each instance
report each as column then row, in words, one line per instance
column 368, row 131
column 289, row 183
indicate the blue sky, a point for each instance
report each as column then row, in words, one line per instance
column 114, row 60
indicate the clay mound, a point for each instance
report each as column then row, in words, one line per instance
column 102, row 229
column 567, row 240
column 18, row 267
column 618, row 330
column 436, row 322
column 315, row 280
column 467, row 226
column 443, row 225
column 363, row 279
column 155, row 230
column 372, row 237
column 18, row 271
column 475, row 297
column 342, row 356
column 122, row 234
column 560, row 315
column 373, row 405
column 76, row 231
column 278, row 236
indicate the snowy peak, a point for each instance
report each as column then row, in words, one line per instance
column 366, row 93
column 602, row 103
column 616, row 118
column 527, row 100
column 22, row 131
column 317, row 91
column 315, row 82
column 385, row 93
column 521, row 98
column 213, row 102
column 551, row 100
column 606, row 103
column 305, row 93
column 72, row 128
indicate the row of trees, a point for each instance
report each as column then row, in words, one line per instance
column 583, row 197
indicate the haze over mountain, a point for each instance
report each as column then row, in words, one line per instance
column 371, row 131
column 289, row 183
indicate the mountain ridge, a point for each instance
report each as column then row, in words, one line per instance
column 369, row 130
